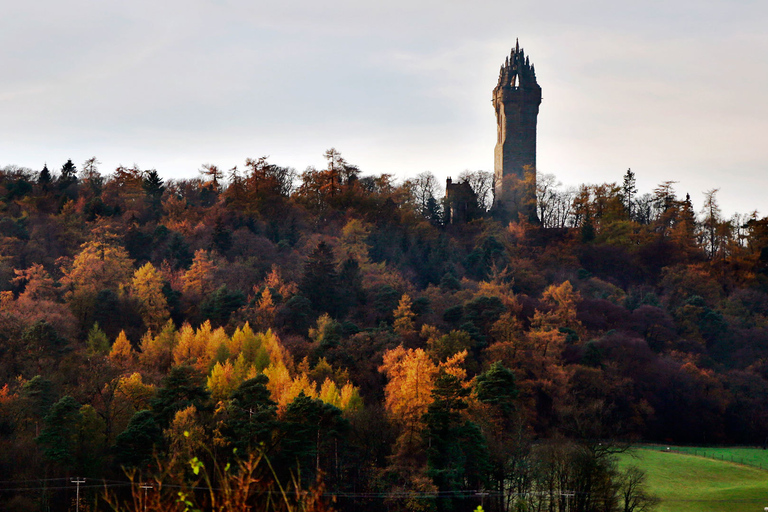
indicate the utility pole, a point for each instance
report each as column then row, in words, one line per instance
column 146, row 488
column 77, row 481
column 482, row 495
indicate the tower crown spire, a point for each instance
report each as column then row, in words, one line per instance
column 517, row 70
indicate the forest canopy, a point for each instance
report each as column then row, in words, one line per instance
column 333, row 322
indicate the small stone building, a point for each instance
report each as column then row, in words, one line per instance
column 460, row 202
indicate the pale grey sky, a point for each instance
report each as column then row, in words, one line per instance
column 676, row 90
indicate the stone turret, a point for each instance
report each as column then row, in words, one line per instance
column 516, row 99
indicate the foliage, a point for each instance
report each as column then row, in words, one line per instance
column 337, row 324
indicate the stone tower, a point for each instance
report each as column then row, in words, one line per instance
column 516, row 100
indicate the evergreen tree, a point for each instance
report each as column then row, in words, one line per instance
column 59, row 437
column 152, row 184
column 312, row 430
column 136, row 445
column 498, row 387
column 68, row 175
column 628, row 192
column 181, row 388
column 457, row 457
column 97, row 341
column 252, row 416
column 320, row 282
column 44, row 178
column 37, row 396
column 350, row 286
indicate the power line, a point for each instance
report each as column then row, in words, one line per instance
column 397, row 494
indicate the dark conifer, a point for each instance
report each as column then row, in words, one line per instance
column 320, row 281
column 44, row 178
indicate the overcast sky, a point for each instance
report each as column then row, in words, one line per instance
column 676, row 90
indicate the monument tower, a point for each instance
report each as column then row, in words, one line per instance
column 516, row 100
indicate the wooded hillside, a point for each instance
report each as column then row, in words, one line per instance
column 331, row 321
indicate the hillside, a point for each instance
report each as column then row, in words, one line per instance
column 685, row 482
column 332, row 322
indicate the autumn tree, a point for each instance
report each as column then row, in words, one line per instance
column 100, row 265
column 404, row 316
column 157, row 351
column 264, row 184
column 38, row 284
column 332, row 187
column 147, row 289
column 265, row 311
column 199, row 279
column 122, row 354
column 185, row 436
column 410, row 374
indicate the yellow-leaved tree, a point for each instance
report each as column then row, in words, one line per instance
column 265, row 311
column 404, row 316
column 187, row 349
column 185, row 436
column 122, row 354
column 147, row 290
column 100, row 265
column 157, row 351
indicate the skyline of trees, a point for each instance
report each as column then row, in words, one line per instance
column 371, row 343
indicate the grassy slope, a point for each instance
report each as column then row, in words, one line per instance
column 750, row 456
column 690, row 483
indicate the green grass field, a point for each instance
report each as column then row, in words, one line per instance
column 749, row 456
column 696, row 483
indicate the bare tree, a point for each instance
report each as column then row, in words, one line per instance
column 633, row 492
column 712, row 224
column 89, row 172
column 265, row 176
column 213, row 173
column 482, row 185
column 424, row 189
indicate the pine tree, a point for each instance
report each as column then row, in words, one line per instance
column 153, row 184
column 68, row 175
column 135, row 446
column 320, row 283
column 628, row 192
column 97, row 341
column 251, row 415
column 457, row 456
column 44, row 178
column 59, row 437
column 181, row 388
